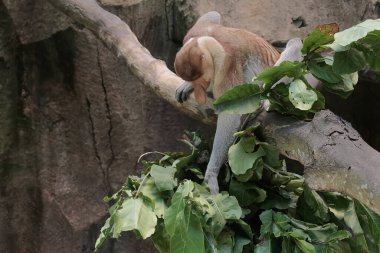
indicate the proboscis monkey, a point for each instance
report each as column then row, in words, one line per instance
column 215, row 58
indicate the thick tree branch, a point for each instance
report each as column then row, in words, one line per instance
column 119, row 38
column 334, row 155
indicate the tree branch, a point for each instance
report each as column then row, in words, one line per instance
column 118, row 37
column 334, row 155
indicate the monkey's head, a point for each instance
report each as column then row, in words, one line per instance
column 194, row 64
column 188, row 61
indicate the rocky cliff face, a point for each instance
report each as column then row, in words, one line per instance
column 73, row 119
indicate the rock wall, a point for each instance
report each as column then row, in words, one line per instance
column 74, row 120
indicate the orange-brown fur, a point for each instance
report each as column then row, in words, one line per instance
column 239, row 45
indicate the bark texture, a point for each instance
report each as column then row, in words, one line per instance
column 74, row 118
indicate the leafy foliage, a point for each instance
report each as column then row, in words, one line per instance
column 262, row 206
column 266, row 209
column 333, row 59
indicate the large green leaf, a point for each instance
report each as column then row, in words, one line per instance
column 136, row 215
column 161, row 238
column 241, row 99
column 225, row 241
column 301, row 97
column 105, row 231
column 276, row 200
column 312, row 207
column 188, row 236
column 279, row 101
column 177, row 207
column 241, row 161
column 246, row 193
column 349, row 61
column 315, row 40
column 370, row 221
column 274, row 223
column 272, row 155
column 305, row 246
column 324, row 72
column 370, row 46
column 286, row 68
column 164, row 177
column 227, row 206
column 355, row 33
column 343, row 209
column 150, row 191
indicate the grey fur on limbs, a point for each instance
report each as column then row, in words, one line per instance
column 227, row 125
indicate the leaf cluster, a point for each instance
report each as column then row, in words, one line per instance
column 332, row 59
column 262, row 206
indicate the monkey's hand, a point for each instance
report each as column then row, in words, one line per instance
column 183, row 91
column 211, row 178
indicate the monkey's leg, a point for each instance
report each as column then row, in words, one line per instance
column 227, row 125
column 183, row 91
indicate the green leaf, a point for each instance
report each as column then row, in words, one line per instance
column 315, row 232
column 355, row 33
column 241, row 161
column 312, row 207
column 245, row 228
column 240, row 99
column 161, row 238
column 343, row 209
column 286, row 68
column 150, row 191
column 225, row 241
column 338, row 236
column 349, row 61
column 305, row 246
column 324, row 72
column 345, row 87
column 188, row 236
column 369, row 219
column 136, row 215
column 227, row 205
column 274, row 223
column 370, row 46
column 315, row 40
column 177, row 207
column 272, row 155
column 266, row 218
column 163, row 177
column 279, row 101
column 246, row 193
column 276, row 200
column 300, row 96
column 105, row 231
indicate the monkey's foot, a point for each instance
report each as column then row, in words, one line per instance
column 182, row 93
column 212, row 181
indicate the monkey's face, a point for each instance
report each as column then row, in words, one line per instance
column 188, row 62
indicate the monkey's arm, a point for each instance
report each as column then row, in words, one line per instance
column 292, row 52
column 227, row 125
